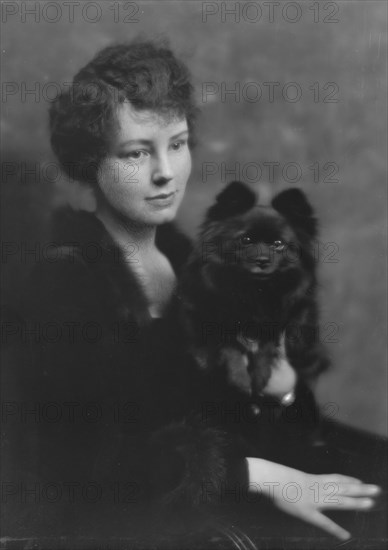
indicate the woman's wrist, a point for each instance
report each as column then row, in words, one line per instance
column 261, row 471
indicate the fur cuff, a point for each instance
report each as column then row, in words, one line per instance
column 188, row 463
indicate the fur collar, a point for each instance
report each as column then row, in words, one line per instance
column 83, row 237
column 80, row 228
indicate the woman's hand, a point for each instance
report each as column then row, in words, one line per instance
column 306, row 495
column 283, row 376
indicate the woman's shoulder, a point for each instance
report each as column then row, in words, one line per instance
column 73, row 242
column 82, row 234
column 81, row 271
column 79, row 230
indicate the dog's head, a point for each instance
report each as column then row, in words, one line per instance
column 259, row 241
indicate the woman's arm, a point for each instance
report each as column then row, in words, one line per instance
column 128, row 426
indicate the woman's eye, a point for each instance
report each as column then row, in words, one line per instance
column 177, row 145
column 246, row 239
column 134, row 155
column 278, row 245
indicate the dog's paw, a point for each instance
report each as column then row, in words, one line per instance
column 201, row 358
column 236, row 366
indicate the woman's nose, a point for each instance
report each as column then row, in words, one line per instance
column 162, row 172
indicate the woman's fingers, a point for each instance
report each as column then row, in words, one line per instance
column 339, row 478
column 347, row 479
column 333, row 486
column 348, row 503
column 358, row 490
column 346, row 495
column 325, row 523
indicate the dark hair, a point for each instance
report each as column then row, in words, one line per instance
column 83, row 118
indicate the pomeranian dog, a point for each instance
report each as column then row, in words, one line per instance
column 249, row 293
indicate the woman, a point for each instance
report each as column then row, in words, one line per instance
column 116, row 436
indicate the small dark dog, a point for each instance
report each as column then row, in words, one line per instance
column 250, row 290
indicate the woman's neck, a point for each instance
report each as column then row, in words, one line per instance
column 151, row 268
column 134, row 240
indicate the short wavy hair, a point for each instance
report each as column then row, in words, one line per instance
column 83, row 118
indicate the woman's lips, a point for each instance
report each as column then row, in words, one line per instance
column 163, row 199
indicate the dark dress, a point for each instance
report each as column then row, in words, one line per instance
column 109, row 430
column 106, row 429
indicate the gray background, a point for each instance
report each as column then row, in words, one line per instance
column 350, row 132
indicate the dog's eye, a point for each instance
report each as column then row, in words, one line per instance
column 278, row 245
column 246, row 239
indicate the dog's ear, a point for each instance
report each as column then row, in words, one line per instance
column 295, row 207
column 236, row 199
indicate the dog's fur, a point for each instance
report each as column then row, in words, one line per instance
column 250, row 289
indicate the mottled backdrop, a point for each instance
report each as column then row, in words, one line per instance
column 291, row 94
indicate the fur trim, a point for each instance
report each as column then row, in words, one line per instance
column 192, row 456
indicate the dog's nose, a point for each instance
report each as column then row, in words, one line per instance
column 263, row 261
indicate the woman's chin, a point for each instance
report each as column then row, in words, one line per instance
column 154, row 218
column 168, row 218
column 164, row 215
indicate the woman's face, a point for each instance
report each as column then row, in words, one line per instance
column 144, row 176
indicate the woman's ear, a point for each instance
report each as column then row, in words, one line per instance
column 294, row 206
column 236, row 199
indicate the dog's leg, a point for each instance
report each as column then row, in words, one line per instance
column 260, row 366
